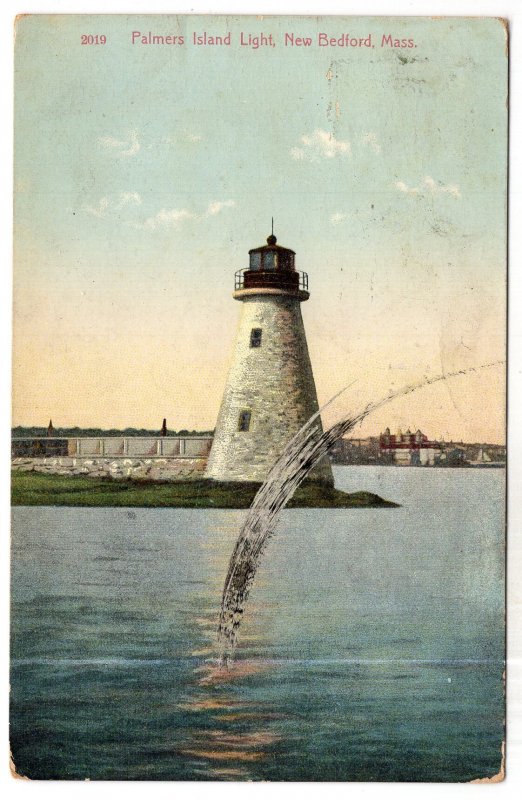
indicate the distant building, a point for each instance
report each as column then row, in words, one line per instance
column 453, row 457
column 409, row 449
column 357, row 451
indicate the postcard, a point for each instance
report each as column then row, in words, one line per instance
column 258, row 436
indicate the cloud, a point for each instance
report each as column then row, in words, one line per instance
column 437, row 187
column 338, row 217
column 129, row 198
column 181, row 138
column 122, row 149
column 108, row 207
column 215, row 208
column 320, row 144
column 107, row 204
column 403, row 187
column 173, row 217
column 103, row 205
column 297, row 154
column 167, row 218
column 370, row 140
column 429, row 186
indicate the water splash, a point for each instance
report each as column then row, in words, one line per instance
column 302, row 453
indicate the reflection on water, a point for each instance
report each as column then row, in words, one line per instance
column 372, row 648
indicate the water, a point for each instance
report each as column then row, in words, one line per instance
column 371, row 648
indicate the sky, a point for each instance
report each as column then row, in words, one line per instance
column 144, row 174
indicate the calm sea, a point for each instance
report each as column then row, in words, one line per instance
column 371, row 650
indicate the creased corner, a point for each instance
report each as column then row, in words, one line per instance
column 501, row 774
column 14, row 773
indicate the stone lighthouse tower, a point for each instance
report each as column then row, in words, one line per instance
column 270, row 391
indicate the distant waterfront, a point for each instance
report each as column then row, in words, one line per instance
column 369, row 451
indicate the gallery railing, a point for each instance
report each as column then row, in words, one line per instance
column 290, row 280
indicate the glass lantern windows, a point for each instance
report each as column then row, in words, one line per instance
column 269, row 261
column 287, row 261
column 255, row 261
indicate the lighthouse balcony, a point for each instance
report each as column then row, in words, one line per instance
column 293, row 281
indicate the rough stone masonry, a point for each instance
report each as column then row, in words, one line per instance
column 274, row 383
column 153, row 469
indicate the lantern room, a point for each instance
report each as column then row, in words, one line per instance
column 272, row 267
column 271, row 257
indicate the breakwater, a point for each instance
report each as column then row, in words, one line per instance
column 148, row 458
column 153, row 469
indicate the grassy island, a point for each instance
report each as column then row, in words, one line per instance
column 37, row 489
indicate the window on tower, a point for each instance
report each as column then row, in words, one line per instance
column 244, row 420
column 255, row 337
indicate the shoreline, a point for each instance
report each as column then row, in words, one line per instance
column 39, row 489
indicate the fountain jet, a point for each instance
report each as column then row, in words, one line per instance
column 299, row 457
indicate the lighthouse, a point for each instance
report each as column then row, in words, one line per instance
column 270, row 391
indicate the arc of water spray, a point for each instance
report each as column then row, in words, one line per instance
column 298, row 458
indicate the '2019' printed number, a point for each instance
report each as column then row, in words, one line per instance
column 97, row 39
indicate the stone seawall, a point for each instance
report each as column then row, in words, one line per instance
column 154, row 469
